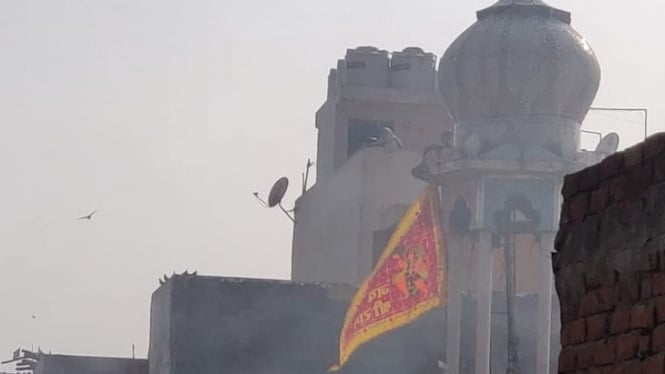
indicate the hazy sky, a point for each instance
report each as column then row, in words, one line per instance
column 166, row 115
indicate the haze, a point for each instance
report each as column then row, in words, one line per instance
column 167, row 115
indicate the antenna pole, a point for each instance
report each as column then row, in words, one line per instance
column 645, row 111
column 598, row 134
column 304, row 183
column 263, row 202
column 309, row 165
column 286, row 212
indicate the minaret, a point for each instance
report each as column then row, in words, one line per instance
column 518, row 84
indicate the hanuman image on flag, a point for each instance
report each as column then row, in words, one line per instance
column 407, row 281
column 415, row 267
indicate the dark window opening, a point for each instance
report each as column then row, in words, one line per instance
column 362, row 132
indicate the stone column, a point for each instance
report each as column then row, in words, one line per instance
column 544, row 317
column 483, row 275
column 454, row 306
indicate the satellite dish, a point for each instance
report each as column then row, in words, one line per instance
column 608, row 144
column 277, row 191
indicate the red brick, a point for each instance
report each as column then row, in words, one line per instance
column 642, row 316
column 568, row 313
column 633, row 156
column 596, row 327
column 659, row 172
column 653, row 364
column 585, row 355
column 589, row 178
column 611, row 166
column 645, row 345
column 604, row 352
column 567, row 360
column 560, row 240
column 596, row 279
column 658, row 284
column 564, row 217
column 653, row 261
column 646, row 286
column 654, row 145
column 641, row 178
column 618, row 188
column 570, row 184
column 620, row 321
column 627, row 346
column 598, row 301
column 658, row 339
column 577, row 331
column 566, row 336
column 629, row 290
column 588, row 304
column 630, row 367
column 608, row 298
column 659, row 304
column 578, row 207
column 599, row 199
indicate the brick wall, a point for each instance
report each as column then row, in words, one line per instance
column 610, row 264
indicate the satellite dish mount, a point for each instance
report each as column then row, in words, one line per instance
column 277, row 194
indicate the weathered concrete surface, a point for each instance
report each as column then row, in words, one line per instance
column 209, row 325
column 63, row 364
column 336, row 221
column 610, row 264
column 359, row 191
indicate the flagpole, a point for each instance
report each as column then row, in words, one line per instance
column 443, row 364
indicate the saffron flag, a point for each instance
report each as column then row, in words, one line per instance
column 407, row 280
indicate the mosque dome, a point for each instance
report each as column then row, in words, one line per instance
column 519, row 75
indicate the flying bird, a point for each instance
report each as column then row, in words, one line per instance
column 89, row 216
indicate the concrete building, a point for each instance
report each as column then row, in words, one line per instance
column 64, row 364
column 212, row 325
column 361, row 190
column 42, row 363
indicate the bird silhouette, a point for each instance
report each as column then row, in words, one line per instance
column 386, row 136
column 89, row 216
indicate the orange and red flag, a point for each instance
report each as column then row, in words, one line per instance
column 407, row 280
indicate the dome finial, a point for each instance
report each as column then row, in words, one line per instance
column 528, row 7
column 519, row 75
